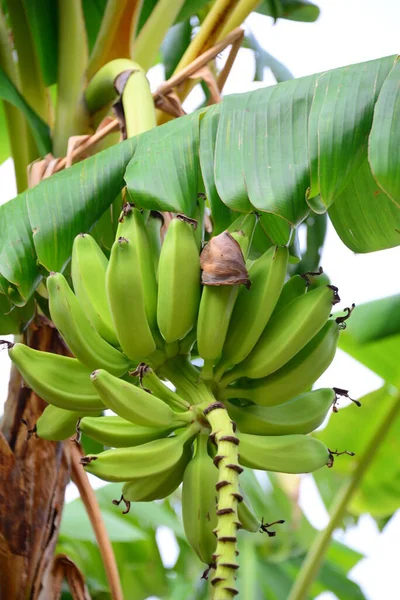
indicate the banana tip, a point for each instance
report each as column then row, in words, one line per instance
column 94, row 375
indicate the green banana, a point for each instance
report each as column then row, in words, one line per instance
column 56, row 424
column 136, row 405
column 199, row 502
column 88, row 271
column 222, row 260
column 150, row 459
column 127, row 299
column 299, row 415
column 79, row 334
column 295, row 377
column 146, row 489
column 286, row 334
column 154, row 223
column 61, row 381
column 295, row 286
column 132, row 227
column 178, row 281
column 254, row 306
column 294, row 453
column 120, row 433
column 247, row 518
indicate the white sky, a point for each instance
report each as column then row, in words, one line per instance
column 348, row 31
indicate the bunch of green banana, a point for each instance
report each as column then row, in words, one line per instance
column 286, row 334
column 295, row 377
column 147, row 460
column 79, row 334
column 135, row 322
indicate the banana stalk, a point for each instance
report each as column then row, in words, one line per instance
column 227, row 461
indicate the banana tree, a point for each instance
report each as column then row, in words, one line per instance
column 326, row 143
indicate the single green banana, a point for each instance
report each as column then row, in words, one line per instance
column 294, row 287
column 61, row 381
column 56, row 424
column 199, row 502
column 254, row 306
column 132, row 227
column 302, row 414
column 120, row 433
column 88, row 271
column 178, row 281
column 286, row 334
column 147, row 489
column 283, row 453
column 247, row 518
column 295, row 377
column 127, row 299
column 150, row 459
column 136, row 405
column 154, row 223
column 223, row 268
column 77, row 331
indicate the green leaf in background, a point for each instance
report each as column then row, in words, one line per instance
column 341, row 118
column 163, row 173
column 39, row 129
column 14, row 320
column 265, row 60
column 379, row 490
column 372, row 337
column 295, row 10
column 75, row 523
column 42, row 16
column 365, row 219
column 384, row 149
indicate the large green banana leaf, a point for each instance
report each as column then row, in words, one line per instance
column 283, row 151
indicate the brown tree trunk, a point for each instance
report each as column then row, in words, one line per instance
column 33, row 477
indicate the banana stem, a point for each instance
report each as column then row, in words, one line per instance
column 186, row 379
column 316, row 554
column 229, row 377
column 227, row 461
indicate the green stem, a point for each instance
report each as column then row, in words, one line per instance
column 147, row 44
column 227, row 461
column 16, row 124
column 229, row 377
column 316, row 554
column 154, row 383
column 71, row 117
column 186, row 378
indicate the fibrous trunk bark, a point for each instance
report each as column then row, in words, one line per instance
column 33, row 477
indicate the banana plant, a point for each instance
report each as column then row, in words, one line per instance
column 248, row 171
